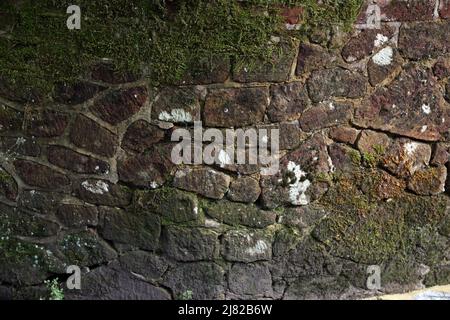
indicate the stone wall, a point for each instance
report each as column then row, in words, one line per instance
column 364, row 117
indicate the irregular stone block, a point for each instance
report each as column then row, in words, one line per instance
column 76, row 93
column 429, row 181
column 312, row 57
column 38, row 175
column 102, row 192
column 253, row 279
column 141, row 135
column 244, row 189
column 148, row 265
column 384, row 64
column 373, row 142
column 10, row 120
column 326, row 114
column 247, row 246
column 75, row 216
column 344, row 134
column 8, row 186
column 45, row 123
column 177, row 105
column 74, row 161
column 288, row 101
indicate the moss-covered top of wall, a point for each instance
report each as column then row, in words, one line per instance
column 159, row 38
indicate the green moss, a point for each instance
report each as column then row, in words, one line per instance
column 371, row 159
column 161, row 41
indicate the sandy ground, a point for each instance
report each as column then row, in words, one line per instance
column 434, row 293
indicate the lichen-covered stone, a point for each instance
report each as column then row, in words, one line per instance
column 424, row 39
column 38, row 175
column 236, row 214
column 244, row 189
column 74, row 161
column 235, row 107
column 383, row 65
column 120, row 105
column 326, row 114
column 204, row 181
column 429, row 181
column 339, row 83
column 177, row 105
column 75, row 216
column 288, row 101
column 441, row 154
column 207, row 71
column 148, row 265
column 136, row 229
column 103, row 192
column 76, row 93
column 311, row 57
column 247, row 246
column 402, row 11
column 441, row 68
column 88, row 135
column 411, row 106
column 107, row 73
column 344, row 134
column 20, row 146
column 373, row 142
column 44, row 203
column 250, row 279
column 141, row 135
column 343, row 158
column 45, row 123
column 190, row 244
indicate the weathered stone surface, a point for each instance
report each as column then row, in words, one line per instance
column 20, row 146
column 343, row 158
column 19, row 223
column 402, row 11
column 312, row 57
column 365, row 42
column 19, row 93
column 72, row 215
column 120, row 105
column 45, row 123
column 112, row 283
column 424, row 39
column 290, row 135
column 107, row 73
column 74, row 161
column 344, row 134
column 148, row 265
column 188, row 279
column 444, row 9
column 76, row 93
column 339, row 83
column 383, row 186
column 412, row 106
column 252, row 279
column 178, row 105
column 38, row 175
column 44, row 203
column 405, row 157
column 10, row 120
column 141, row 135
column 102, row 192
column 204, row 181
column 326, row 114
column 150, row 169
column 296, row 217
column 277, row 70
column 447, row 92
column 383, row 65
column 441, row 154
column 88, row 135
column 441, row 68
column 247, row 246
column 208, row 71
column 173, row 204
column 294, row 183
column 85, row 248
column 373, row 142
column 288, row 101
column 8, row 186
column 236, row 214
column 235, row 107
column 137, row 229
column 190, row 244
column 244, row 189
column 429, row 181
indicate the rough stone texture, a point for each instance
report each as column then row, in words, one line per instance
column 253, row 280
column 235, row 108
column 73, row 94
column 408, row 10
column 441, row 154
column 45, row 123
column 87, row 134
column 37, row 175
column 383, row 65
column 107, row 73
column 103, row 193
column 311, row 57
column 444, row 9
column 244, row 189
column 8, row 186
column 204, row 181
column 141, row 135
column 343, row 134
column 208, row 71
column 326, row 114
column 428, row 181
column 424, row 39
column 288, row 101
column 120, row 105
column 340, row 83
column 76, row 216
column 179, row 105
column 372, row 141
column 74, row 161
column 247, row 246
column 10, row 120
column 441, row 68
column 411, row 106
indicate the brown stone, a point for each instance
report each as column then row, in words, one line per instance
column 326, row 114
column 429, row 181
column 441, row 154
column 120, row 105
column 344, row 134
column 444, row 9
column 373, row 142
column 45, row 123
column 288, row 101
column 235, row 107
column 76, row 93
column 290, row 135
column 75, row 216
column 107, row 73
column 177, row 105
column 204, row 181
column 207, row 71
column 74, row 161
column 343, row 158
column 382, row 185
column 87, row 134
column 141, row 135
column 103, row 192
column 244, row 189
column 441, row 68
column 403, row 11
column 311, row 57
column 339, row 83
column 38, row 175
column 383, row 65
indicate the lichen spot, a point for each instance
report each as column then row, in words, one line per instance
column 383, row 57
column 175, row 115
column 298, row 187
column 99, row 187
column 380, row 40
column 426, row 109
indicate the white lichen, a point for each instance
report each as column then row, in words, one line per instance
column 259, row 248
column 423, row 129
column 410, row 148
column 99, row 187
column 175, row 115
column 426, row 109
column 380, row 40
column 154, row 185
column 297, row 188
column 331, row 165
column 383, row 57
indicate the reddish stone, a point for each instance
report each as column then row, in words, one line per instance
column 444, row 9
column 344, row 134
column 88, row 135
column 177, row 105
column 373, row 142
column 441, row 68
column 120, row 105
column 379, row 72
column 38, row 175
column 441, row 154
column 430, row 181
column 235, row 107
column 402, row 11
column 311, row 57
column 107, row 73
column 141, row 135
column 288, row 102
column 76, row 93
column 292, row 15
column 45, row 123
column 76, row 162
column 102, row 192
column 326, row 114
